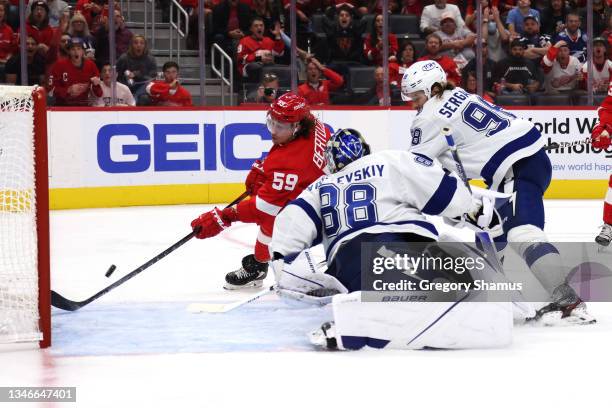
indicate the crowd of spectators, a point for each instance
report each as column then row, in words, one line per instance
column 530, row 48
column 68, row 53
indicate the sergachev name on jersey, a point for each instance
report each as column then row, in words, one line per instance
column 453, row 103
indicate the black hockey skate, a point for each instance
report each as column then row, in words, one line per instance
column 325, row 336
column 250, row 275
column 568, row 309
column 605, row 236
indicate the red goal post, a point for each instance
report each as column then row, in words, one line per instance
column 25, row 308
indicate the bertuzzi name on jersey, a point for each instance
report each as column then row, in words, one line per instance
column 320, row 144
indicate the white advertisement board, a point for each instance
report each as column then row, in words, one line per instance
column 112, row 148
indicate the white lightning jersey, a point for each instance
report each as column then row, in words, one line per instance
column 383, row 192
column 489, row 139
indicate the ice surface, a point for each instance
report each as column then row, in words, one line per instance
column 139, row 347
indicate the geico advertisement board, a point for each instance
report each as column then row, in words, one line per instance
column 214, row 148
column 131, row 148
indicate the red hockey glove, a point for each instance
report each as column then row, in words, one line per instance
column 213, row 222
column 601, row 139
column 256, row 177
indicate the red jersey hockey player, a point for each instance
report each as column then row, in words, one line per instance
column 255, row 50
column 601, row 140
column 73, row 78
column 294, row 162
column 169, row 92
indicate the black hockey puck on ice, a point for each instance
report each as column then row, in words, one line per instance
column 110, row 271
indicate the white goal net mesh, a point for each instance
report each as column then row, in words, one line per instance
column 18, row 237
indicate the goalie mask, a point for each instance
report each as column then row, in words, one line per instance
column 344, row 147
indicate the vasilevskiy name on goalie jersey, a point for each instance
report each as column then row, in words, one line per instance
column 383, row 192
column 488, row 138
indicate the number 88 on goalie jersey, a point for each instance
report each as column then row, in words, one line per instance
column 380, row 193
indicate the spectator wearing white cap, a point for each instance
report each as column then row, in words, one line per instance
column 602, row 67
column 561, row 69
column 432, row 15
column 457, row 43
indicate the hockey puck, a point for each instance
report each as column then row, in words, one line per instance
column 110, row 271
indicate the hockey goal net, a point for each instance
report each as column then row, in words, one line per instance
column 25, row 311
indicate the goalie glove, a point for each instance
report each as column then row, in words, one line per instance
column 482, row 215
column 256, row 178
column 213, row 222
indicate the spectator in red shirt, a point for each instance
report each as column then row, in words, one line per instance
column 74, row 78
column 39, row 28
column 256, row 50
column 433, row 43
column 91, row 9
column 407, row 56
column 8, row 44
column 316, row 90
column 373, row 43
column 169, row 92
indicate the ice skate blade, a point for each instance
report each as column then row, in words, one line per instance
column 251, row 285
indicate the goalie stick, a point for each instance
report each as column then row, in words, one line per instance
column 61, row 302
column 226, row 307
column 482, row 236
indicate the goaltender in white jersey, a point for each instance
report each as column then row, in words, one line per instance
column 382, row 198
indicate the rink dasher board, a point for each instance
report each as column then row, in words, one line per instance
column 119, row 157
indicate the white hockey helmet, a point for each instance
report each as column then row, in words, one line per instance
column 421, row 76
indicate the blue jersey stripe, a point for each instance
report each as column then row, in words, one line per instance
column 442, row 197
column 312, row 214
column 490, row 168
column 423, row 224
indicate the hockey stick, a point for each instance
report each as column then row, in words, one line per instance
column 562, row 145
column 226, row 307
column 482, row 236
column 61, row 302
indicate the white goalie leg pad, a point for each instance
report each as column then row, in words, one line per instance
column 303, row 275
column 416, row 325
column 542, row 258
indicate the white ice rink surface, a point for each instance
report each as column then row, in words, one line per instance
column 139, row 347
